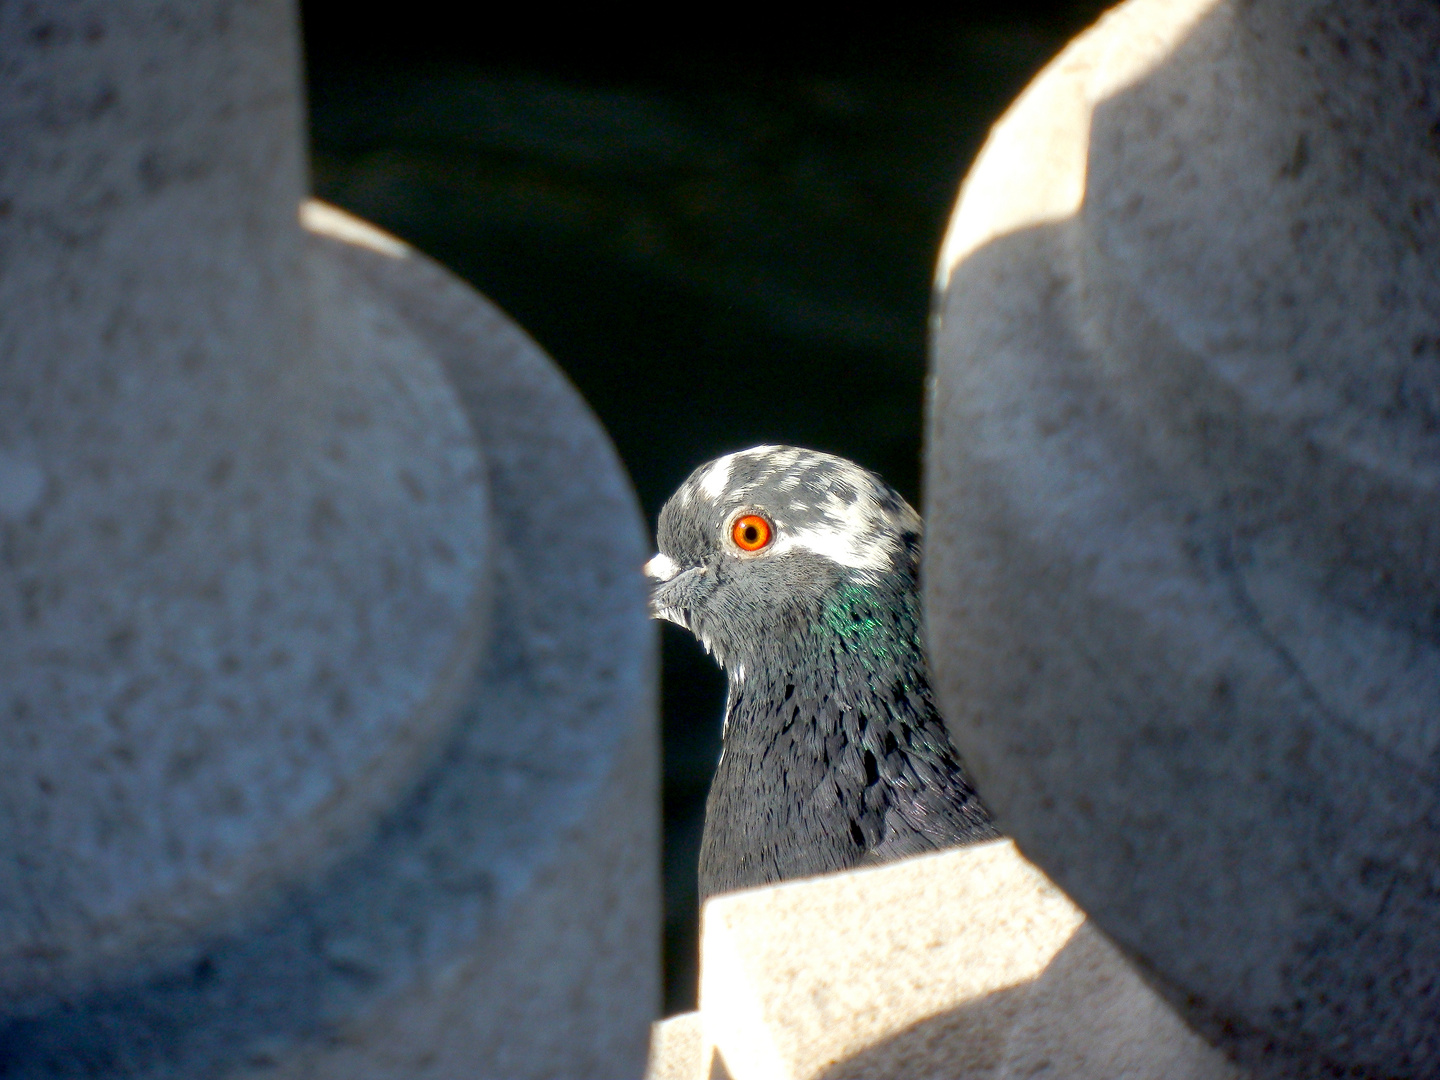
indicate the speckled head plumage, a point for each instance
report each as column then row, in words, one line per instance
column 798, row 571
column 833, row 522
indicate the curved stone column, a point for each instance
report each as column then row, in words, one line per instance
column 326, row 680
column 1183, row 491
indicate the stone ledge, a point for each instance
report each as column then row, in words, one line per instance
column 967, row 963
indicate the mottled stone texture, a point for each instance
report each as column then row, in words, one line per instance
column 967, row 963
column 1184, row 448
column 325, row 680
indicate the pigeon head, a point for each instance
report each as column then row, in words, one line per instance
column 798, row 571
column 755, row 544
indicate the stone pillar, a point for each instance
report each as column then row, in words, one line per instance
column 326, row 684
column 1183, row 472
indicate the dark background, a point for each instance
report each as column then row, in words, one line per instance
column 723, row 229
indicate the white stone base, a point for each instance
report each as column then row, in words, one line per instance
column 969, row 963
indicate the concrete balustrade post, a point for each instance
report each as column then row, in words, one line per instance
column 1182, row 506
column 326, row 688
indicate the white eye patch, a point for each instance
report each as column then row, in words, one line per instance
column 716, row 478
column 855, row 533
column 715, row 481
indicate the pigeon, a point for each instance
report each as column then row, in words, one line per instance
column 798, row 571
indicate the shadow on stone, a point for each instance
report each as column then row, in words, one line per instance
column 1087, row 1016
column 960, row 1042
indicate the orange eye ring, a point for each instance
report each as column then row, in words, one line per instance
column 751, row 532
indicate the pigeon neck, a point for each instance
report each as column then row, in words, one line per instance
column 859, row 651
column 831, row 740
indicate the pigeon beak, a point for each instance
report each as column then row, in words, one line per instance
column 663, row 572
column 661, row 569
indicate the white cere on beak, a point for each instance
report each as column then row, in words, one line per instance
column 661, row 568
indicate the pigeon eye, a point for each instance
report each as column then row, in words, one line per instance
column 751, row 532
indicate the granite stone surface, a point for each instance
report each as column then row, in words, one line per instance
column 1182, row 502
column 966, row 963
column 327, row 682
